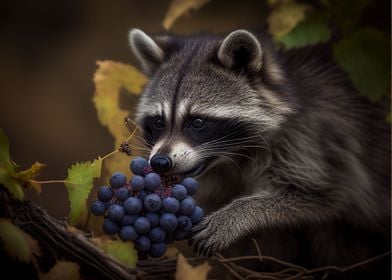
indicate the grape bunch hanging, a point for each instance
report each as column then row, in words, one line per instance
column 150, row 210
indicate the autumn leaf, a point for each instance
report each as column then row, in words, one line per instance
column 8, row 169
column 178, row 8
column 122, row 251
column 26, row 177
column 62, row 270
column 15, row 242
column 112, row 79
column 79, row 184
column 185, row 271
column 285, row 17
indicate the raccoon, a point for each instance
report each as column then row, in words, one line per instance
column 286, row 150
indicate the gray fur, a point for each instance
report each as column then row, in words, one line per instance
column 311, row 183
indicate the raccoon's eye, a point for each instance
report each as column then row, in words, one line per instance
column 198, row 123
column 158, row 123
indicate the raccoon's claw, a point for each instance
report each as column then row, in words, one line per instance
column 208, row 237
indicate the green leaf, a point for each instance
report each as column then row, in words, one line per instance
column 11, row 184
column 120, row 250
column 365, row 56
column 79, row 184
column 313, row 30
column 15, row 241
column 8, row 169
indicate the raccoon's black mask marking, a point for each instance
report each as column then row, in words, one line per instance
column 226, row 134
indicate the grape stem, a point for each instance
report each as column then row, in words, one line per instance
column 50, row 181
column 126, row 140
column 109, row 154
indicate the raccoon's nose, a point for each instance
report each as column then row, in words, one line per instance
column 161, row 163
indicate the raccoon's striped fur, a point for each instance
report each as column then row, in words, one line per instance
column 286, row 150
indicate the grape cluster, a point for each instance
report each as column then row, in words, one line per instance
column 150, row 210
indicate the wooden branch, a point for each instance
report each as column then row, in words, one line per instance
column 58, row 243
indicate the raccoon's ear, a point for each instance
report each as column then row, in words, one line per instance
column 146, row 50
column 241, row 49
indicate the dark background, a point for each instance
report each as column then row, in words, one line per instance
column 48, row 51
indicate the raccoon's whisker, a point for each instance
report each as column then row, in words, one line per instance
column 141, row 145
column 268, row 148
column 140, row 138
column 233, row 145
column 140, row 149
column 231, row 160
column 241, row 155
column 225, row 136
column 218, row 141
column 225, row 152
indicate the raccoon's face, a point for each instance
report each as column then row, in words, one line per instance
column 205, row 102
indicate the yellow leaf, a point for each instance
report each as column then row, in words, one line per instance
column 62, row 270
column 25, row 177
column 111, row 78
column 122, row 251
column 285, row 17
column 187, row 272
column 179, row 7
column 15, row 242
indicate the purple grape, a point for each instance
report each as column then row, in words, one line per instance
column 105, row 193
column 171, row 205
column 152, row 202
column 197, row 215
column 98, row 208
column 128, row 233
column 137, row 183
column 157, row 234
column 129, row 220
column 153, row 218
column 191, row 185
column 142, row 195
column 168, row 222
column 184, row 223
column 137, row 165
column 116, row 212
column 118, row 180
column 133, row 205
column 143, row 243
column 110, row 227
column 157, row 250
column 152, row 181
column 142, row 225
column 122, row 194
column 187, row 206
column 179, row 192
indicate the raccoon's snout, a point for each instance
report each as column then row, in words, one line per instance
column 161, row 163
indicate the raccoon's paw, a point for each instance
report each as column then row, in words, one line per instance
column 210, row 236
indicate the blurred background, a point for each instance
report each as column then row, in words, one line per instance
column 48, row 55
